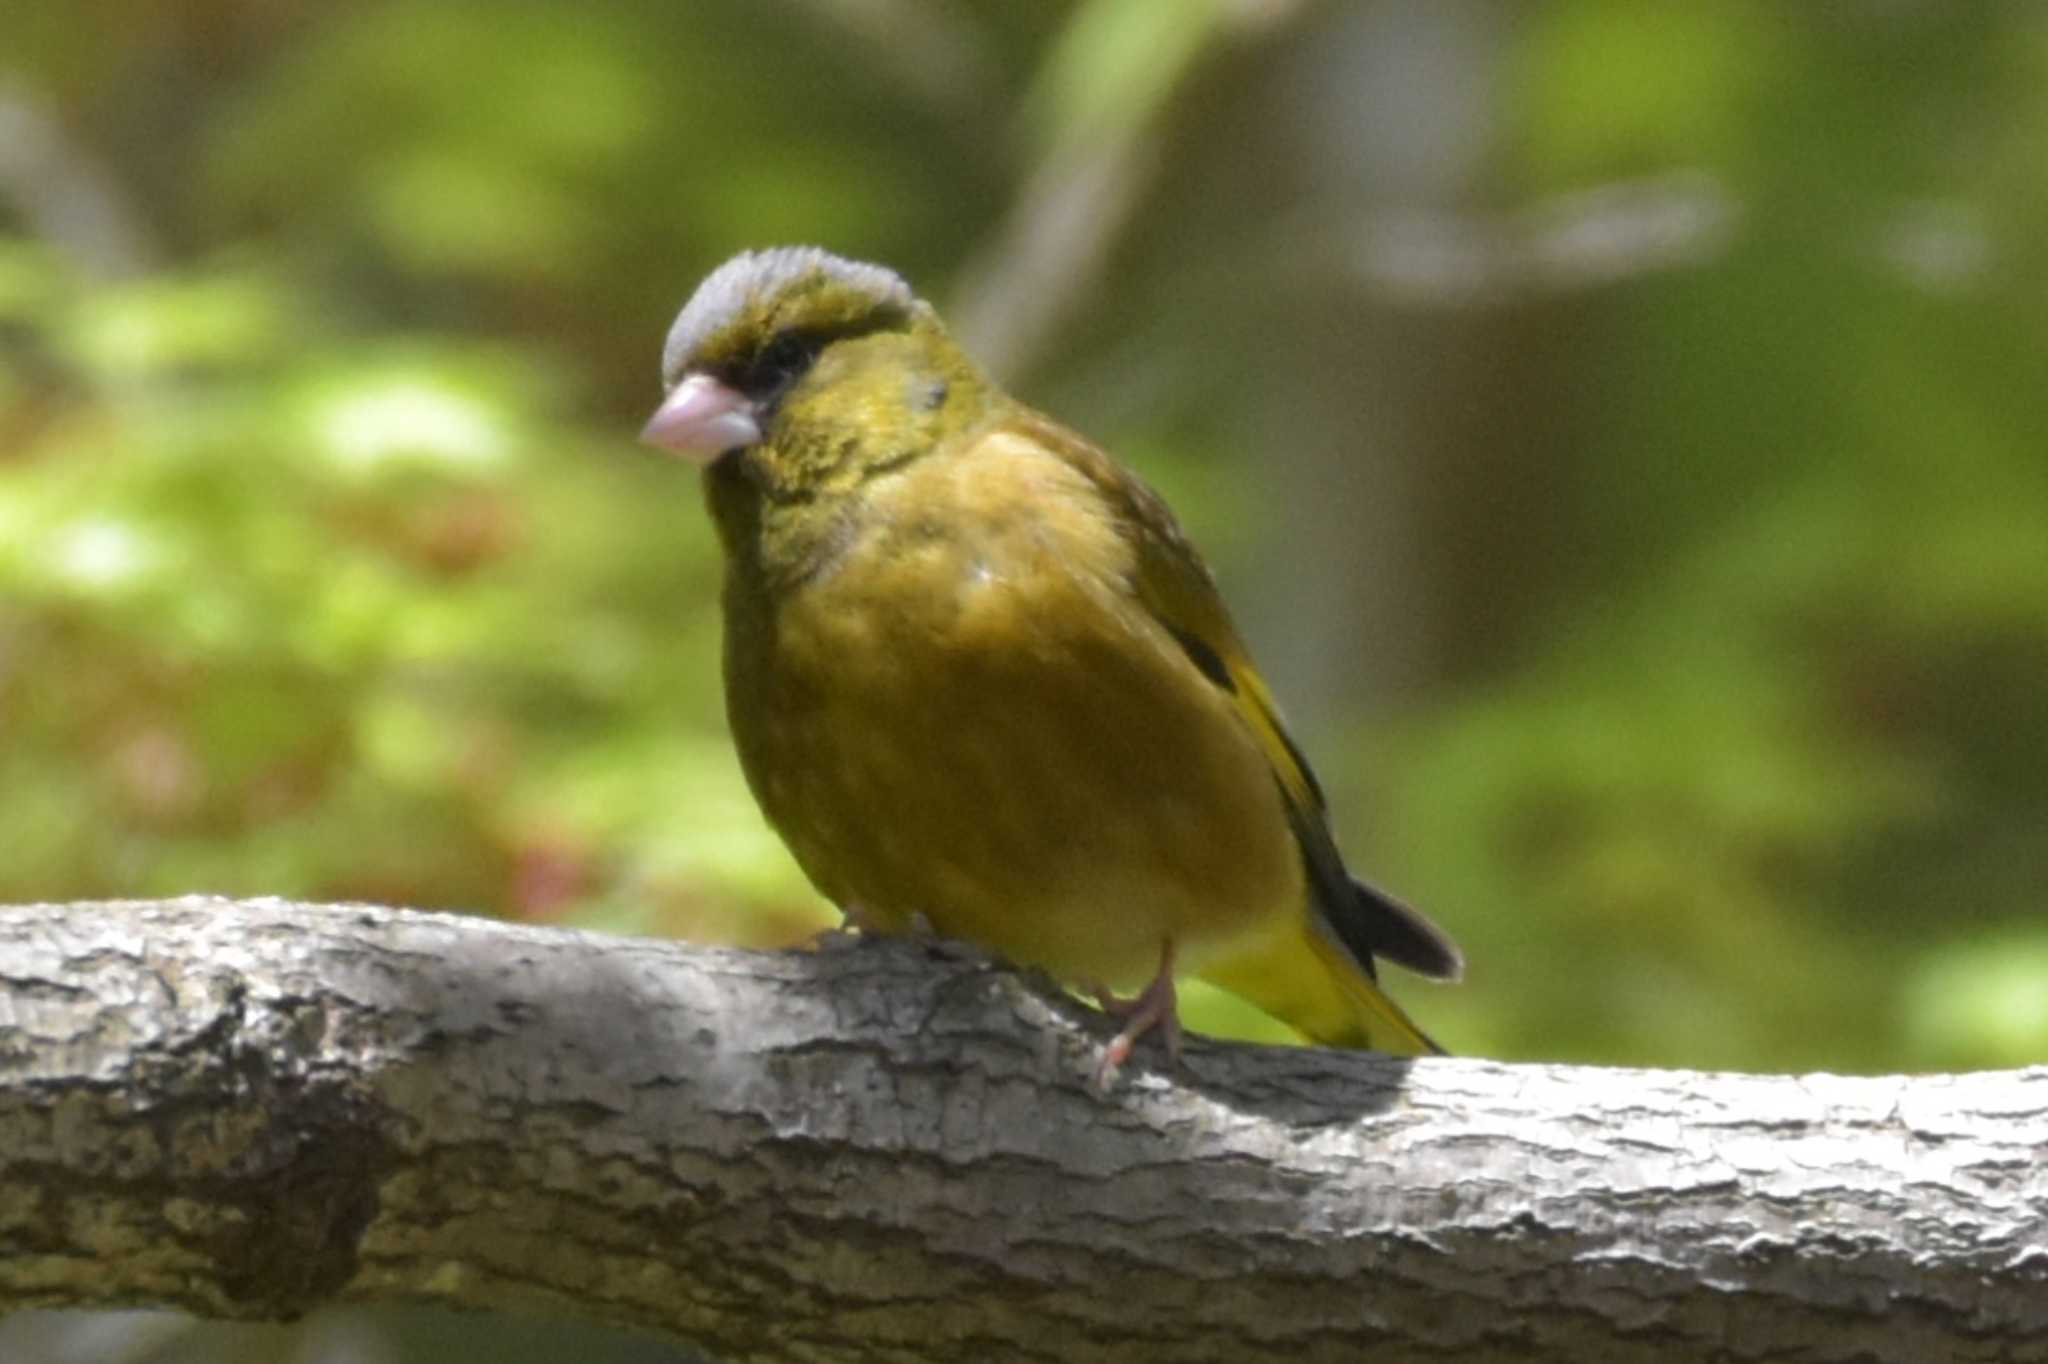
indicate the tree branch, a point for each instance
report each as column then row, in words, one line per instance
column 889, row 1151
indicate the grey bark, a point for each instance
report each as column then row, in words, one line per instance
column 891, row 1151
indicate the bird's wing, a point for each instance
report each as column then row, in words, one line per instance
column 1175, row 586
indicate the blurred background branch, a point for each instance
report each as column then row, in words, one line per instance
column 62, row 194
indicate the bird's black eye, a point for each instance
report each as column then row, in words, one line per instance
column 779, row 364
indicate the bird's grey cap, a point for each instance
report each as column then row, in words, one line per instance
column 726, row 292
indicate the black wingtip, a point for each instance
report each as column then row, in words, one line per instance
column 1404, row 936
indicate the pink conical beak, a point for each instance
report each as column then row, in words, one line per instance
column 701, row 419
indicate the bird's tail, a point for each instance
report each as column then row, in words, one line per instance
column 1310, row 981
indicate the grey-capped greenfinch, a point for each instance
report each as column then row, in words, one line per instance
column 978, row 676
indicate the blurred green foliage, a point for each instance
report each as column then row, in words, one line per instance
column 1712, row 582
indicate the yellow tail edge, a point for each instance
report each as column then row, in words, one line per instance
column 1314, row 985
column 1381, row 1018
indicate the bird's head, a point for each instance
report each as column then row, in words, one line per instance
column 793, row 371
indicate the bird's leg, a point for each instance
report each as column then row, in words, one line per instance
column 1152, row 1007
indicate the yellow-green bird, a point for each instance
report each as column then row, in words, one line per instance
column 978, row 677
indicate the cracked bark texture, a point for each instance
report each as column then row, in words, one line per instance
column 890, row 1151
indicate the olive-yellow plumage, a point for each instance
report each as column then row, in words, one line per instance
column 977, row 675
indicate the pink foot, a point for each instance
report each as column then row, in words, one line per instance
column 1152, row 1007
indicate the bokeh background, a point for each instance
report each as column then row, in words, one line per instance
column 1621, row 429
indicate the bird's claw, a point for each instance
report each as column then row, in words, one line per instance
column 1155, row 1006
